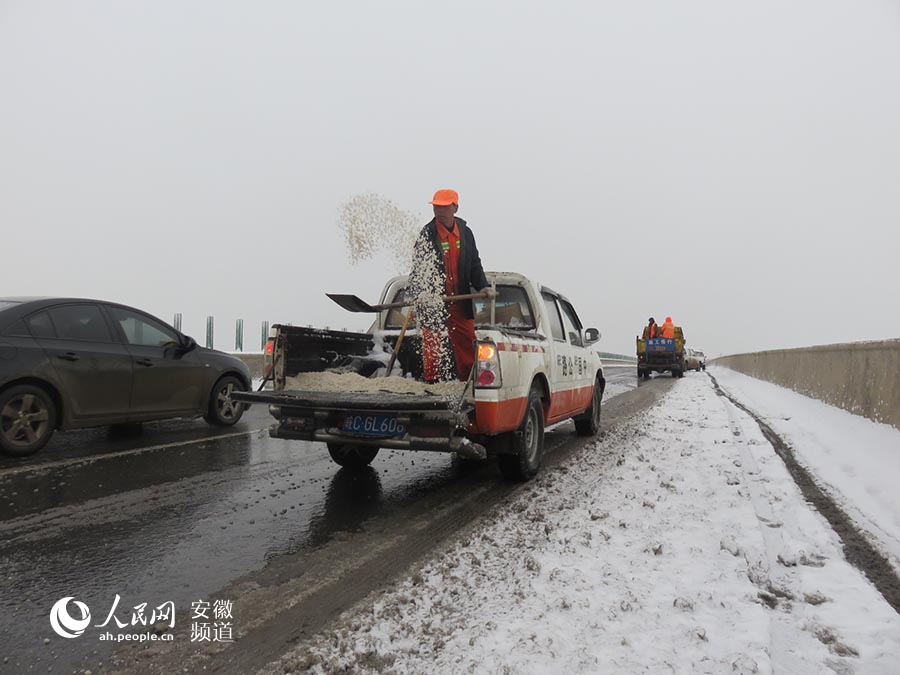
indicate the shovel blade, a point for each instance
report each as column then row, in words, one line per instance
column 352, row 303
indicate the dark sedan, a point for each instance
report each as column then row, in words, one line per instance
column 69, row 363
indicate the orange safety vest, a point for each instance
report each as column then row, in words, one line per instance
column 450, row 244
column 668, row 330
column 651, row 331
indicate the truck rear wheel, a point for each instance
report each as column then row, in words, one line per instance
column 527, row 444
column 352, row 456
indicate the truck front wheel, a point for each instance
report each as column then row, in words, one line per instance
column 526, row 445
column 351, row 456
column 588, row 424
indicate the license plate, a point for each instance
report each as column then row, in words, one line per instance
column 373, row 425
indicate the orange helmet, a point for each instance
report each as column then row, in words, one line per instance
column 445, row 198
column 668, row 319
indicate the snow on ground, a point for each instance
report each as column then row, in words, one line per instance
column 677, row 543
column 855, row 459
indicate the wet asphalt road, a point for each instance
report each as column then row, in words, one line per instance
column 175, row 512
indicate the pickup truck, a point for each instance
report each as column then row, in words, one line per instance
column 534, row 367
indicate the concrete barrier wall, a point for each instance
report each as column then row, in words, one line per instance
column 861, row 377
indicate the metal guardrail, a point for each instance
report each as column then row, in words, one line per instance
column 238, row 332
column 264, row 334
column 608, row 356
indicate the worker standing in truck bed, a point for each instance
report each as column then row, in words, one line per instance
column 651, row 330
column 446, row 262
column 668, row 328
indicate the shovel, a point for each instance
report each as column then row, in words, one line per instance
column 353, row 303
column 396, row 351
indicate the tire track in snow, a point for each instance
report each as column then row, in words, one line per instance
column 857, row 549
column 774, row 581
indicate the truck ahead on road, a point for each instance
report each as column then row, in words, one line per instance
column 535, row 366
column 661, row 355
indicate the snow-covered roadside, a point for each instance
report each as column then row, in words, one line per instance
column 855, row 459
column 678, row 543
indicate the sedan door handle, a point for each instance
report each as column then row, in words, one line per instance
column 68, row 356
column 144, row 362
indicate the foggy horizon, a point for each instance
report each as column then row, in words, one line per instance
column 734, row 167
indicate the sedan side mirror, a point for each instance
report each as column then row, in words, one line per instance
column 188, row 343
column 591, row 335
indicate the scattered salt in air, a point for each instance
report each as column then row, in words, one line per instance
column 372, row 224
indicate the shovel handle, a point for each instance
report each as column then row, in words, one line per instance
column 396, row 351
column 445, row 298
column 467, row 296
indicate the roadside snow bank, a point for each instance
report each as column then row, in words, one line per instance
column 855, row 459
column 677, row 544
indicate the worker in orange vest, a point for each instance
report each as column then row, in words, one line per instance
column 651, row 330
column 446, row 262
column 668, row 328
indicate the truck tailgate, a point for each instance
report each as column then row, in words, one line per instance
column 329, row 400
column 382, row 419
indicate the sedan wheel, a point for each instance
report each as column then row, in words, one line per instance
column 223, row 410
column 27, row 420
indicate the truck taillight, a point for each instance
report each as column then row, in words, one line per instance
column 486, row 351
column 487, row 365
column 267, row 358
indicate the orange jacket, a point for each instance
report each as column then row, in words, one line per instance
column 668, row 329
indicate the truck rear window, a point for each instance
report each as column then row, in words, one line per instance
column 512, row 310
column 396, row 317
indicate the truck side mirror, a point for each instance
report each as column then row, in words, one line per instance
column 591, row 335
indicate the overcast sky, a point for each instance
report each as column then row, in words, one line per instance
column 733, row 165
